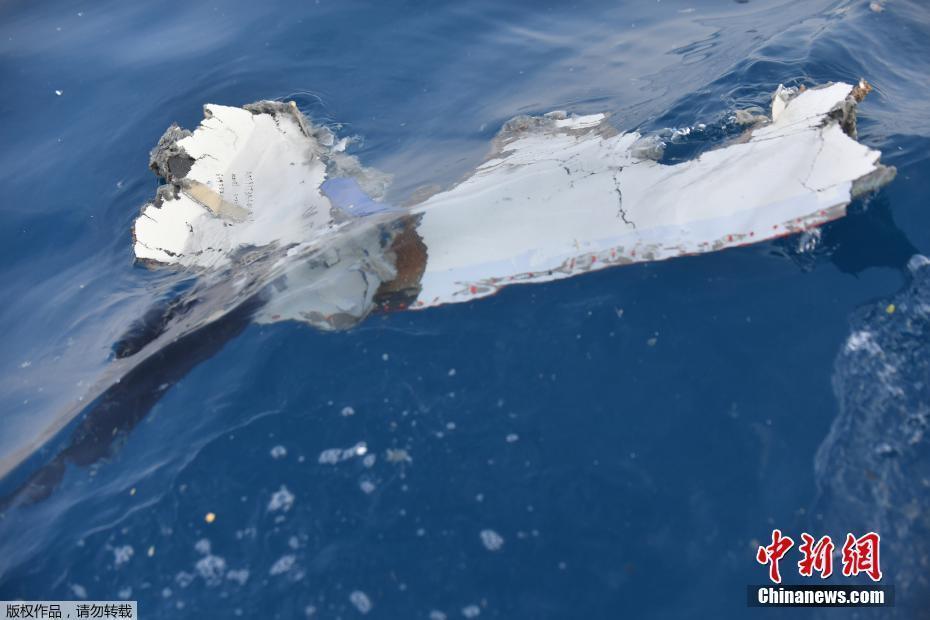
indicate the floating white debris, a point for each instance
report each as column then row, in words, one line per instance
column 283, row 564
column 282, row 499
column 397, row 455
column 123, row 554
column 491, row 540
column 555, row 202
column 278, row 452
column 471, row 611
column 236, row 160
column 212, row 569
column 239, row 576
column 332, row 456
column 559, row 196
column 202, row 546
column 361, row 601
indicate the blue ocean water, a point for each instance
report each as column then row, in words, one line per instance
column 630, row 436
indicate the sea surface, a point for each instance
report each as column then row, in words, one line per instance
column 615, row 445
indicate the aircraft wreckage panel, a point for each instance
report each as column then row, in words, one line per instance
column 562, row 199
column 560, row 195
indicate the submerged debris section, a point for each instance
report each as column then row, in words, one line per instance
column 559, row 195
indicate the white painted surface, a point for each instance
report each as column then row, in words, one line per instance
column 562, row 199
column 562, row 195
column 262, row 171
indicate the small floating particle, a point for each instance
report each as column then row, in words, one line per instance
column 59, row 92
column 347, row 411
column 123, row 554
column 890, row 309
column 282, row 499
column 397, row 455
column 239, row 576
column 283, row 564
column 652, row 341
column 471, row 611
column 209, row 517
column 132, row 491
column 512, row 437
column 151, row 551
column 491, row 540
column 278, row 452
column 361, row 601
